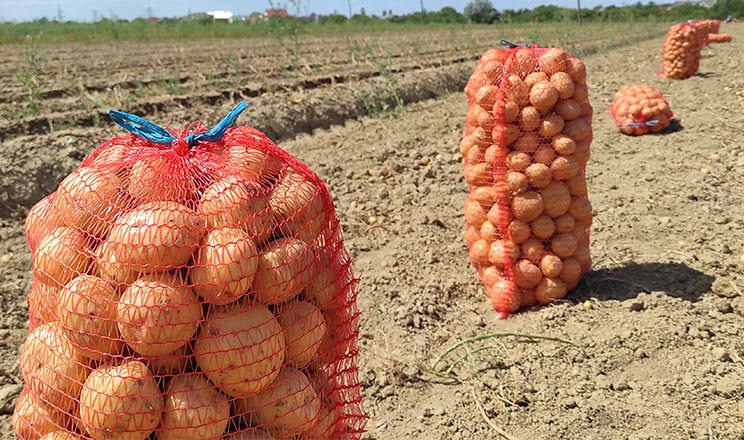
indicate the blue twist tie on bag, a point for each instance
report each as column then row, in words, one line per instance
column 152, row 132
column 651, row 123
column 511, row 45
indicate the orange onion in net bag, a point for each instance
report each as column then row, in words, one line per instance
column 190, row 284
column 681, row 51
column 639, row 109
column 528, row 214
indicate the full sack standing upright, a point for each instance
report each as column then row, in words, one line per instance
column 681, row 52
column 189, row 284
column 525, row 150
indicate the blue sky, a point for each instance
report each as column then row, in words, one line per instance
column 86, row 10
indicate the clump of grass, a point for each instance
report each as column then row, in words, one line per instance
column 384, row 100
column 287, row 32
column 30, row 77
column 469, row 351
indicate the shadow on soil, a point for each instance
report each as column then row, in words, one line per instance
column 625, row 282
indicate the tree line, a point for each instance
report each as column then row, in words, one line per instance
column 482, row 11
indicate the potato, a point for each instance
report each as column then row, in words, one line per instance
column 121, row 401
column 526, row 274
column 323, row 429
column 234, row 203
column 516, row 182
column 502, row 252
column 568, row 109
column 539, row 175
column 553, row 60
column 175, row 362
column 326, row 290
column 225, row 265
column 479, row 252
column 564, row 245
column 556, row 198
column 543, row 227
column 300, row 206
column 240, row 347
column 518, row 231
column 528, row 206
column 571, row 272
column 113, row 268
column 289, row 406
column 87, row 311
column 550, row 289
column 304, row 329
column 61, row 256
column 543, row 96
column 158, row 314
column 157, row 236
column 42, row 219
column 115, row 155
column 285, row 267
column 471, row 234
column 162, row 175
column 551, row 265
column 193, row 409
column 33, row 418
column 532, row 249
column 475, row 214
column 529, row 118
column 336, row 344
column 42, row 303
column 525, row 62
column 485, row 195
column 90, row 199
column 489, row 232
column 504, row 297
column 248, row 162
column 52, row 367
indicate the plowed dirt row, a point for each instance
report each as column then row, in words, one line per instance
column 647, row 347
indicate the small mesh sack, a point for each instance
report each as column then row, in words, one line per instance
column 190, row 284
column 639, row 109
column 681, row 52
column 525, row 150
column 719, row 38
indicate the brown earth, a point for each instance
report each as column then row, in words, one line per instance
column 647, row 347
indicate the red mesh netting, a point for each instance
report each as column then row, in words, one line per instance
column 525, row 150
column 719, row 38
column 708, row 27
column 639, row 109
column 681, row 52
column 190, row 293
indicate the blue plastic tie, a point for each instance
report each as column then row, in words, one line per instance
column 511, row 45
column 152, row 132
column 651, row 123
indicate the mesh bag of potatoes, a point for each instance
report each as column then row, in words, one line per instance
column 638, row 109
column 719, row 38
column 681, row 52
column 189, row 284
column 525, row 151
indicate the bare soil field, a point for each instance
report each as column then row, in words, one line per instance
column 646, row 347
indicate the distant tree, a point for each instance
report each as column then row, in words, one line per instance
column 724, row 8
column 481, row 11
column 333, row 18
